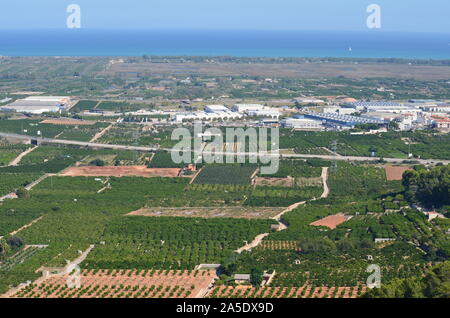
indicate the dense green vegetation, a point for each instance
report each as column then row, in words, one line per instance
column 119, row 106
column 375, row 209
column 74, row 215
column 9, row 182
column 350, row 181
column 83, row 105
column 428, row 186
column 435, row 284
column 175, row 243
column 300, row 168
column 163, row 159
column 333, row 266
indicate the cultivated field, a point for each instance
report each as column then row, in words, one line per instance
column 121, row 171
column 222, row 174
column 286, row 292
column 297, row 70
column 280, row 245
column 275, row 182
column 288, row 182
column 394, row 173
column 331, row 221
column 69, row 122
column 124, row 284
column 212, row 212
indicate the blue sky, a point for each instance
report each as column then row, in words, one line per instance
column 397, row 15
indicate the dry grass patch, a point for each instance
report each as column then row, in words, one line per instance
column 211, row 212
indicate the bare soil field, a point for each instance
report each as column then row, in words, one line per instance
column 293, row 70
column 124, row 284
column 394, row 173
column 286, row 292
column 275, row 182
column 68, row 122
column 288, row 182
column 331, row 221
column 211, row 212
column 120, row 171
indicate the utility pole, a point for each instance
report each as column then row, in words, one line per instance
column 136, row 136
column 334, row 146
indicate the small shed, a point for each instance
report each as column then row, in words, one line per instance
column 242, row 278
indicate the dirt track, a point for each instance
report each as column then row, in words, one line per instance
column 16, row 161
column 101, row 133
column 258, row 239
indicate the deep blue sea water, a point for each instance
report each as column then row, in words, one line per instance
column 84, row 42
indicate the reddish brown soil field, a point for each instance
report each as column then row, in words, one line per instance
column 331, row 221
column 68, row 122
column 395, row 172
column 124, row 284
column 122, row 171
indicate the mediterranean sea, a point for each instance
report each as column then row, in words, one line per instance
column 343, row 44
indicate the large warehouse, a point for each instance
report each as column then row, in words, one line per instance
column 39, row 105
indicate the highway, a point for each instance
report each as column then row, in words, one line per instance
column 77, row 143
column 150, row 149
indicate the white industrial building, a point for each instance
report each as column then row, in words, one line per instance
column 265, row 112
column 39, row 105
column 216, row 108
column 241, row 108
column 385, row 107
column 302, row 123
column 308, row 100
column 204, row 116
column 339, row 110
column 436, row 108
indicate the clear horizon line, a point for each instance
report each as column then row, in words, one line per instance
column 225, row 30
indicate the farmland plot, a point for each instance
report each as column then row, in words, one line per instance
column 9, row 152
column 225, row 174
column 171, row 243
column 124, row 284
column 20, row 257
column 306, row 291
column 9, row 182
column 212, row 212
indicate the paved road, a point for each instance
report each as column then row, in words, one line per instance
column 77, row 143
column 275, row 155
